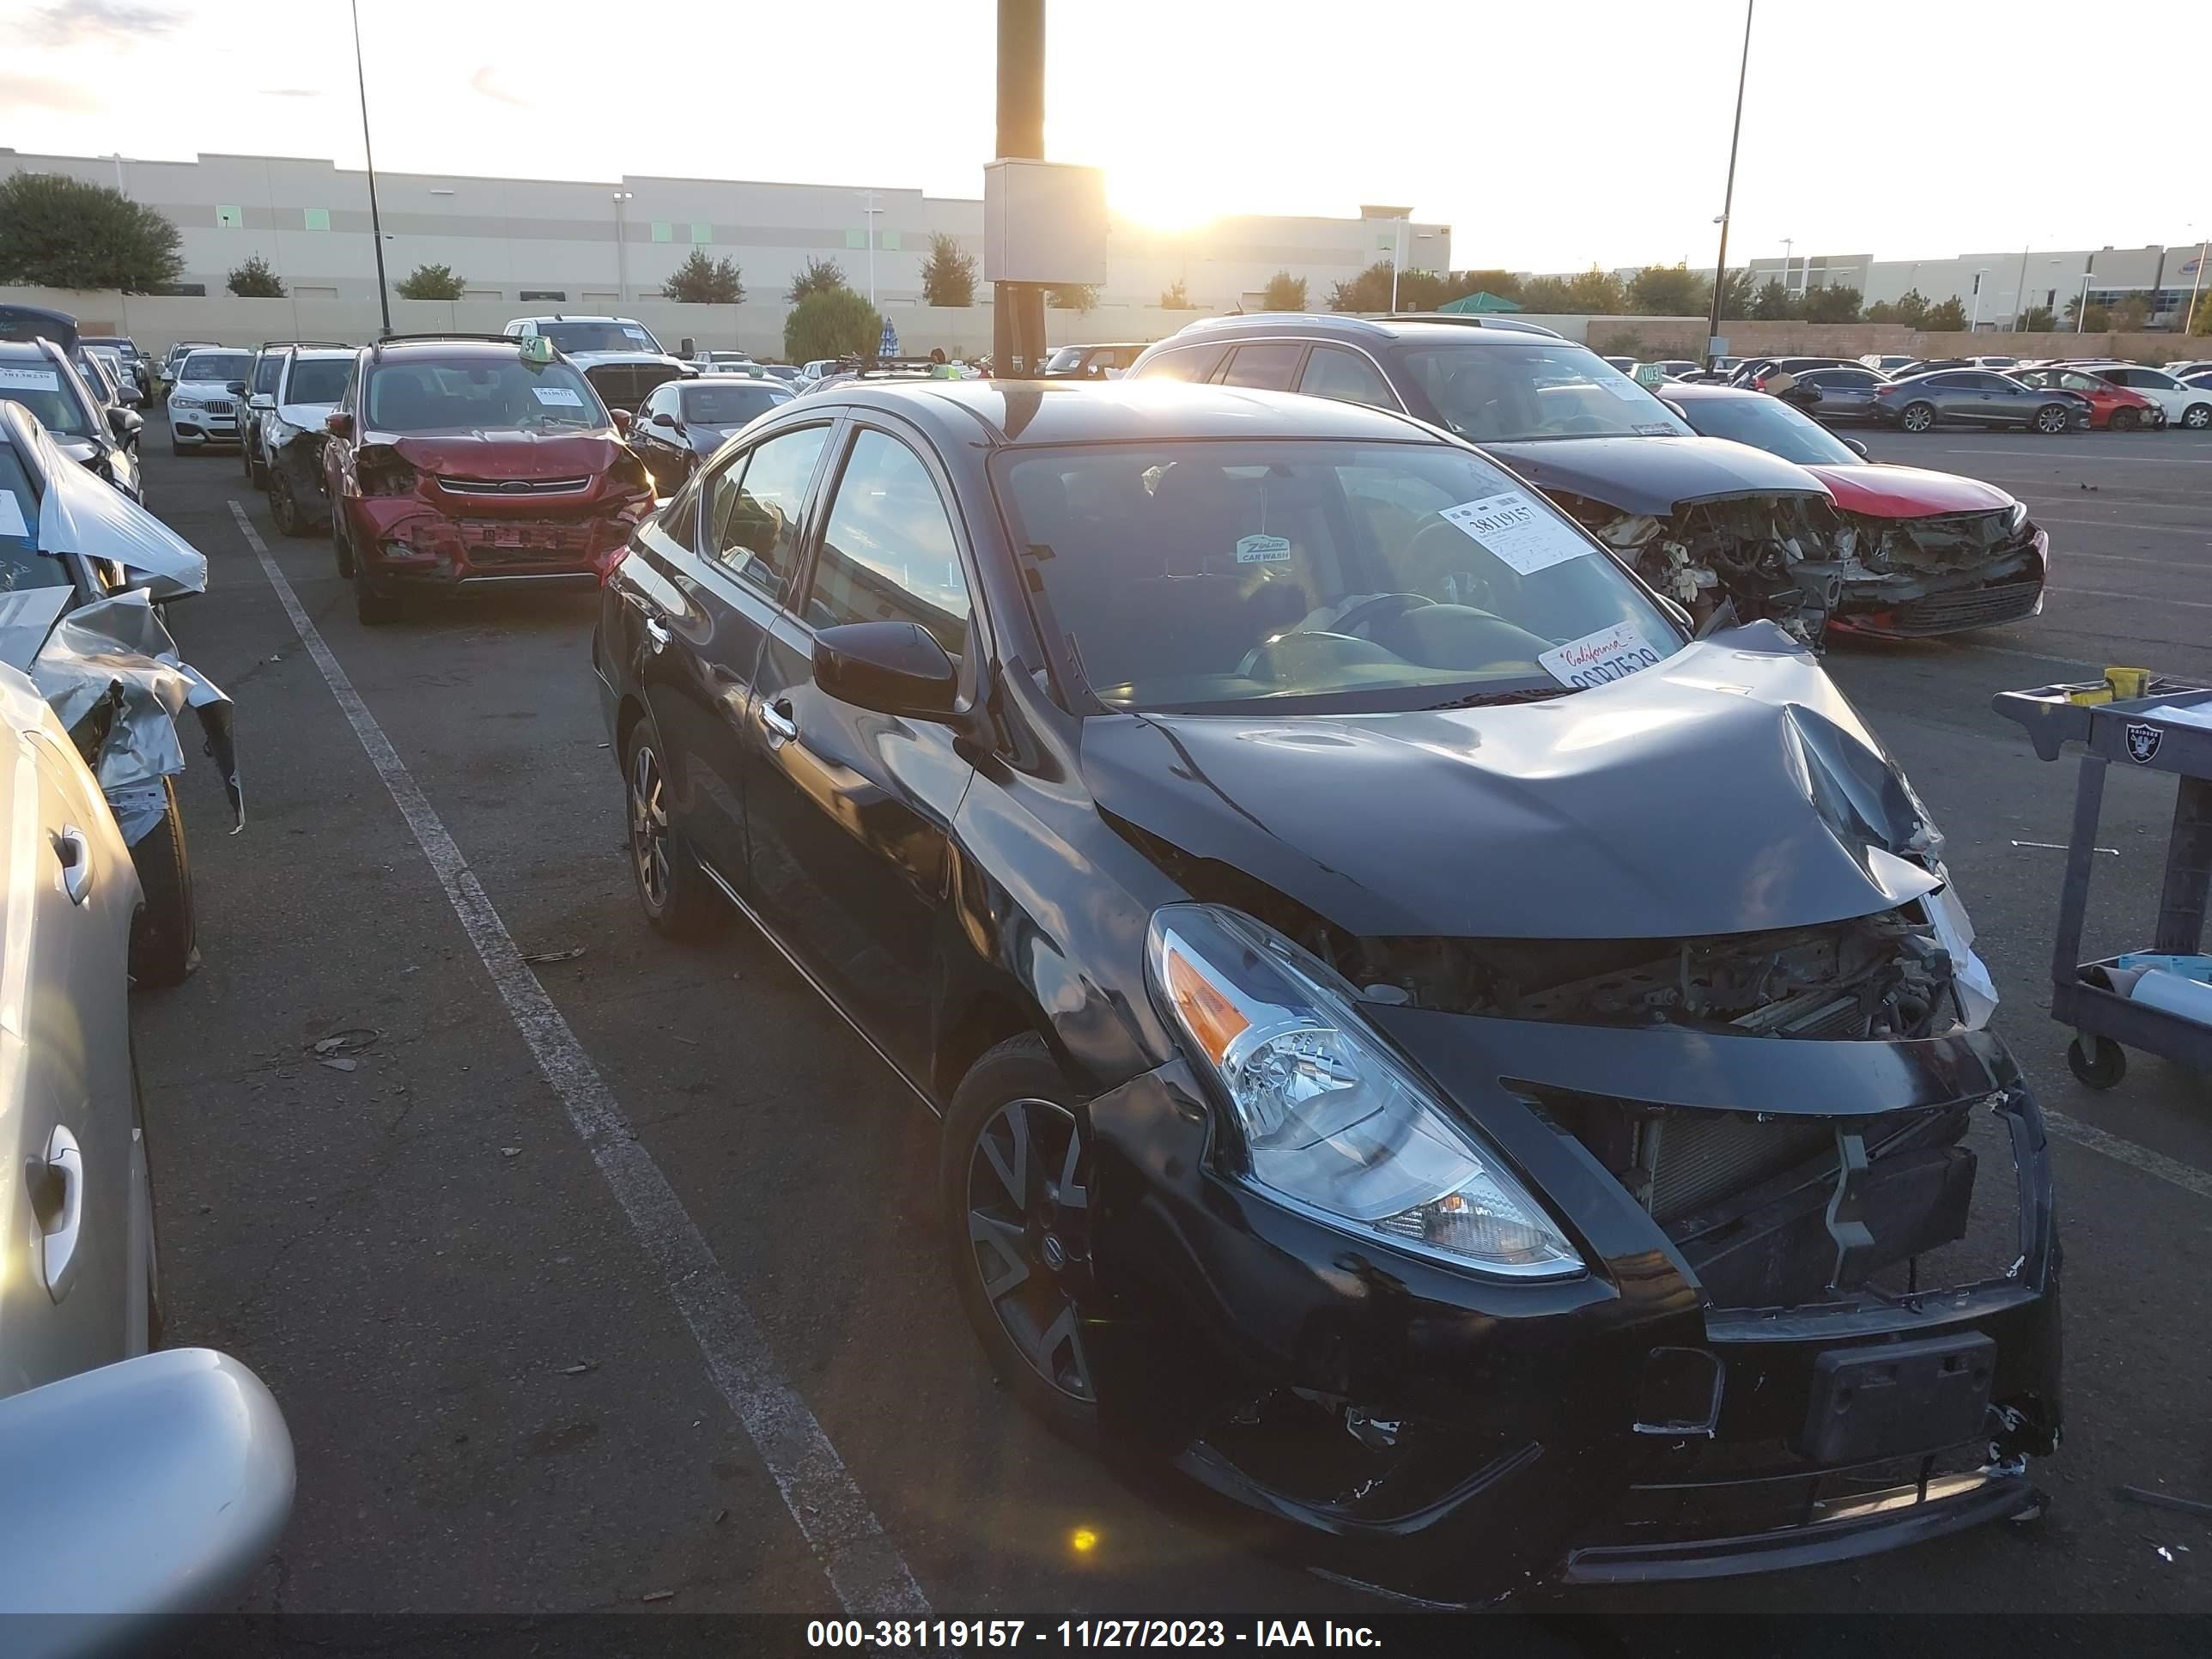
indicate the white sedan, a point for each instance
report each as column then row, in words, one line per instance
column 2183, row 405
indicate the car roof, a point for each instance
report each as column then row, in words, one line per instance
column 404, row 350
column 1023, row 413
column 1699, row 392
column 573, row 317
column 1362, row 330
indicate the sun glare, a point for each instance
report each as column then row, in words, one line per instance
column 1162, row 201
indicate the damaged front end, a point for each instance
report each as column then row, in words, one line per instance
column 1913, row 578
column 1766, row 557
column 1806, row 1306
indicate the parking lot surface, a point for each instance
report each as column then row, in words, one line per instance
column 609, row 1268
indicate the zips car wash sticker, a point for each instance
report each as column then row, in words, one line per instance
column 1611, row 654
column 1518, row 531
column 1262, row 549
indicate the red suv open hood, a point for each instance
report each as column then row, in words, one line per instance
column 1907, row 492
column 505, row 454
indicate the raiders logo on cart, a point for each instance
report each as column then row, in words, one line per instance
column 2142, row 742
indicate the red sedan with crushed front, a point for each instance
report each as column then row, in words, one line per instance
column 1917, row 552
column 2113, row 408
column 455, row 461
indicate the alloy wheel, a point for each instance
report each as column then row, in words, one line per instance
column 2051, row 419
column 648, row 826
column 2197, row 417
column 1029, row 1215
column 1919, row 418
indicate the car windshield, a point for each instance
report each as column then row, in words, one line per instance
column 1063, row 360
column 319, row 380
column 731, row 405
column 1767, row 423
column 599, row 336
column 43, row 389
column 1319, row 576
column 494, row 393
column 217, row 366
column 1496, row 393
column 22, row 565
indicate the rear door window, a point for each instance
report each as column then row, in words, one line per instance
column 753, row 508
column 1266, row 367
column 1346, row 375
column 888, row 550
column 21, row 565
column 1183, row 363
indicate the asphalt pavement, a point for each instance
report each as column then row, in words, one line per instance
column 607, row 1276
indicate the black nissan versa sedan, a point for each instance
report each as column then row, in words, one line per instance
column 1449, row 1060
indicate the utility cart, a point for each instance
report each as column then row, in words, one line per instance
column 2168, row 728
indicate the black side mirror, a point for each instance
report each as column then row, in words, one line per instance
column 662, row 417
column 892, row 668
column 236, row 388
column 131, row 395
column 124, row 424
column 1857, row 446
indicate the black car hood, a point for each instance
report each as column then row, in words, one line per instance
column 706, row 440
column 1653, row 475
column 1729, row 790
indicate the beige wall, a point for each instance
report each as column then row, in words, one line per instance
column 157, row 322
column 1684, row 336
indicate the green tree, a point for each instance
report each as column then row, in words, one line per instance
column 1368, row 291
column 1776, row 304
column 700, row 280
column 64, row 233
column 2099, row 319
column 1172, row 298
column 2201, row 322
column 430, row 283
column 1072, row 296
column 831, row 322
column 254, row 280
column 1597, row 294
column 2038, row 321
column 1503, row 283
column 1827, row 304
column 1667, row 291
column 1423, row 290
column 1545, row 295
column 1948, row 318
column 948, row 275
column 1736, row 299
column 2131, row 314
column 1285, row 293
column 821, row 276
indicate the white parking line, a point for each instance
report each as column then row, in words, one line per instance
column 2183, row 1175
column 2107, row 593
column 2196, row 530
column 864, row 1568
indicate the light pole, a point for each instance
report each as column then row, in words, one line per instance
column 368, row 156
column 1397, row 259
column 2196, row 281
column 1787, row 242
column 1974, row 318
column 2020, row 300
column 622, row 250
column 1728, row 197
column 2081, row 306
column 871, row 210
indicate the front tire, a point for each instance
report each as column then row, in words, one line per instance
column 164, row 936
column 2125, row 420
column 1014, row 1190
column 2051, row 419
column 341, row 549
column 284, row 505
column 373, row 605
column 674, row 893
column 2197, row 416
column 1918, row 417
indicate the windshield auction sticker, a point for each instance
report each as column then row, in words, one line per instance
column 560, row 395
column 1611, row 654
column 1518, row 531
column 11, row 515
column 32, row 379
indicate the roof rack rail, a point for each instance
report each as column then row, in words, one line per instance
column 377, row 347
column 267, row 344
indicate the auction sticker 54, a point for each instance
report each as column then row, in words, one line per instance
column 1611, row 654
column 1521, row 532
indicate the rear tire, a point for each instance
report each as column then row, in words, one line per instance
column 1014, row 1185
column 164, row 937
column 2197, row 416
column 676, row 894
column 1918, row 417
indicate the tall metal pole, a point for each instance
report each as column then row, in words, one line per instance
column 2195, row 282
column 871, row 210
column 1017, row 308
column 622, row 250
column 375, row 223
column 2020, row 300
column 1397, row 259
column 1728, row 197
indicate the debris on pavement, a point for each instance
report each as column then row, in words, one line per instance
column 569, row 955
column 657, row 1595
column 350, row 1041
column 510, row 1151
column 580, row 1368
column 340, row 1063
column 2159, row 1500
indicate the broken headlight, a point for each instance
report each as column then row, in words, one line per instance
column 2016, row 518
column 1332, row 1123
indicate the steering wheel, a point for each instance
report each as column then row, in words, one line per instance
column 1374, row 609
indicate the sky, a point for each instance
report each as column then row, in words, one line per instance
column 1548, row 138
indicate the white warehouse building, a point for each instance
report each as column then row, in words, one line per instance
column 591, row 245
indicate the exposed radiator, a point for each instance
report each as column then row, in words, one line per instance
column 1699, row 1157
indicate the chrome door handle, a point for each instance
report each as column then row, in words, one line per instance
column 656, row 634
column 777, row 718
column 57, row 1201
column 75, row 852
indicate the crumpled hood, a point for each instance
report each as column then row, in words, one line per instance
column 1907, row 492
column 83, row 512
column 307, row 417
column 1729, row 790
column 1654, row 476
column 485, row 452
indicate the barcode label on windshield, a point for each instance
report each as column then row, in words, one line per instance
column 1611, row 654
column 558, row 394
column 32, row 379
column 11, row 515
column 1521, row 532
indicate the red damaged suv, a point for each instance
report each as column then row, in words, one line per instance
column 458, row 459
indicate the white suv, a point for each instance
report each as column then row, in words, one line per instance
column 618, row 354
